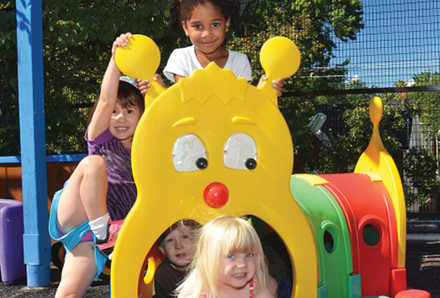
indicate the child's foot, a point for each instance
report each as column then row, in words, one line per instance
column 106, row 245
column 107, row 234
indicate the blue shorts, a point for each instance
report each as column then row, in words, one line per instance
column 71, row 239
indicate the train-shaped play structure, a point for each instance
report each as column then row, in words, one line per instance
column 213, row 145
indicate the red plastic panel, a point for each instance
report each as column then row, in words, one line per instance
column 398, row 281
column 369, row 213
column 351, row 221
column 392, row 222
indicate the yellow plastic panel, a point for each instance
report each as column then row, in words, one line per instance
column 212, row 112
column 377, row 159
column 139, row 59
column 373, row 176
column 312, row 179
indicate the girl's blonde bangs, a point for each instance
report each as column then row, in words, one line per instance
column 240, row 239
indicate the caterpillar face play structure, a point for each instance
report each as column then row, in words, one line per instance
column 213, row 145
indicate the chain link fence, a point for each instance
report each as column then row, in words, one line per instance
column 397, row 53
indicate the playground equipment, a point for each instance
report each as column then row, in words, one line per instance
column 214, row 145
column 11, row 241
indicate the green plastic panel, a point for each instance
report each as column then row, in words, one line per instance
column 331, row 234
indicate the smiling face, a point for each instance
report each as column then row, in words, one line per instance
column 123, row 123
column 206, row 28
column 178, row 247
column 236, row 271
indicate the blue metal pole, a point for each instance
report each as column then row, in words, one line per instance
column 36, row 238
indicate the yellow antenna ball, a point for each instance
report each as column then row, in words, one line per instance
column 280, row 58
column 139, row 58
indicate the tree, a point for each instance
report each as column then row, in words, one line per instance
column 77, row 37
column 77, row 42
column 312, row 25
column 420, row 166
column 348, row 145
column 8, row 81
column 426, row 104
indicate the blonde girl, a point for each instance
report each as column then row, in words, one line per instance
column 229, row 262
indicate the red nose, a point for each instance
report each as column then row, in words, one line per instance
column 216, row 195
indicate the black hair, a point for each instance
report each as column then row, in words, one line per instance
column 128, row 96
column 181, row 10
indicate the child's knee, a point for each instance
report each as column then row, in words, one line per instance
column 93, row 164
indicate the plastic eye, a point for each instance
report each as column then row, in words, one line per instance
column 201, row 163
column 240, row 152
column 250, row 163
column 189, row 154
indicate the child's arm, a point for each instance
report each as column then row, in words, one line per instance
column 177, row 78
column 108, row 95
column 277, row 84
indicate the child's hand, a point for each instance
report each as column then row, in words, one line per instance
column 121, row 41
column 145, row 85
column 276, row 84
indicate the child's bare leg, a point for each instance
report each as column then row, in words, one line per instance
column 84, row 196
column 78, row 272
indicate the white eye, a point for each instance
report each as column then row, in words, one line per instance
column 240, row 152
column 189, row 154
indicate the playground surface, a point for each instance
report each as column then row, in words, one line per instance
column 98, row 289
column 422, row 263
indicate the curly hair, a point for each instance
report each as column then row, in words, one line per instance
column 181, row 10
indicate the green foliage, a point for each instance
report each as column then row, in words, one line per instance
column 426, row 104
column 77, row 37
column 420, row 166
column 78, row 34
column 343, row 154
column 312, row 25
column 9, row 132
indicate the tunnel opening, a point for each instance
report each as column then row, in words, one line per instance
column 277, row 256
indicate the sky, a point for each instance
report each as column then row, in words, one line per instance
column 401, row 38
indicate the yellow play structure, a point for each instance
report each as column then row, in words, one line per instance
column 213, row 145
column 211, row 136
